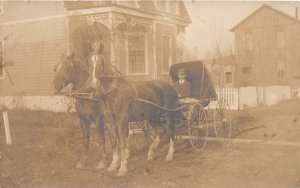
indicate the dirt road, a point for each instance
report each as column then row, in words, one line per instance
column 46, row 146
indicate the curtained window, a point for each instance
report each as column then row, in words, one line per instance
column 246, row 72
column 1, row 60
column 249, row 41
column 136, row 54
column 166, row 52
column 281, row 70
column 228, row 77
column 167, row 6
column 281, row 38
column 1, row 7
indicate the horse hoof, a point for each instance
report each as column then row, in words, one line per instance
column 79, row 165
column 112, row 167
column 169, row 158
column 150, row 158
column 122, row 173
column 127, row 154
column 101, row 165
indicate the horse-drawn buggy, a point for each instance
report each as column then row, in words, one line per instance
column 204, row 114
column 103, row 96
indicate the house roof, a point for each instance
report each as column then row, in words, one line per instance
column 265, row 6
column 142, row 5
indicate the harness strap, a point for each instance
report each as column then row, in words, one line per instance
column 113, row 86
column 124, row 77
column 166, row 109
column 85, row 86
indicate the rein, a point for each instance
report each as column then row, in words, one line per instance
column 136, row 98
column 85, row 86
column 124, row 78
column 79, row 93
column 166, row 109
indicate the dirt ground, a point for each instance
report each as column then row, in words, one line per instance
column 46, row 147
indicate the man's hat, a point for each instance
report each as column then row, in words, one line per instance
column 181, row 70
column 97, row 38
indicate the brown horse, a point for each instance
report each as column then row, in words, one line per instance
column 155, row 101
column 68, row 72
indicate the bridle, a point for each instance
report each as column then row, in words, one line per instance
column 86, row 84
column 82, row 91
column 68, row 74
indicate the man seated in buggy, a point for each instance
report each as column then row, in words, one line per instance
column 193, row 83
column 183, row 88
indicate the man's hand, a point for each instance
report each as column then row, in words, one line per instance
column 181, row 100
column 95, row 83
column 69, row 90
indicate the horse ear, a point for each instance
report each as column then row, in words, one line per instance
column 63, row 56
column 72, row 55
column 55, row 68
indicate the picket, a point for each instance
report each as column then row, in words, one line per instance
column 231, row 95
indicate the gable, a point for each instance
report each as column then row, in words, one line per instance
column 149, row 6
column 265, row 16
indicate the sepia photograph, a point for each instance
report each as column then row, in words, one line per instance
column 149, row 94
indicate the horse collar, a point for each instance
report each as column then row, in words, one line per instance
column 110, row 88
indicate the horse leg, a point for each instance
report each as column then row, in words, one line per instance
column 127, row 147
column 171, row 133
column 114, row 143
column 123, row 135
column 85, row 128
column 171, row 150
column 154, row 145
column 101, row 135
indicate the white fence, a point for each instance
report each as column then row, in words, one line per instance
column 247, row 97
column 230, row 95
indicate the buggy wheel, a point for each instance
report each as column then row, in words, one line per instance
column 197, row 126
column 142, row 135
column 149, row 133
column 181, row 132
column 222, row 123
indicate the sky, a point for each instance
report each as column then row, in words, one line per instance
column 212, row 20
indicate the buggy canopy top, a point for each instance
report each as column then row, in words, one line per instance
column 197, row 74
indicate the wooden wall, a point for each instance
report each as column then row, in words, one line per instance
column 36, row 33
column 264, row 26
column 34, row 46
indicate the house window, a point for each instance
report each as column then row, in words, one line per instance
column 246, row 72
column 1, row 7
column 166, row 52
column 167, row 6
column 136, row 54
column 281, row 74
column 1, row 61
column 228, row 77
column 172, row 7
column 249, row 41
column 281, row 38
column 161, row 5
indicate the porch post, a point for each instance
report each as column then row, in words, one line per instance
column 112, row 39
column 112, row 47
column 154, row 46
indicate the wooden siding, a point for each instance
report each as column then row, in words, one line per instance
column 24, row 10
column 36, row 33
column 34, row 48
column 264, row 26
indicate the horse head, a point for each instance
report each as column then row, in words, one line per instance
column 102, row 73
column 63, row 72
